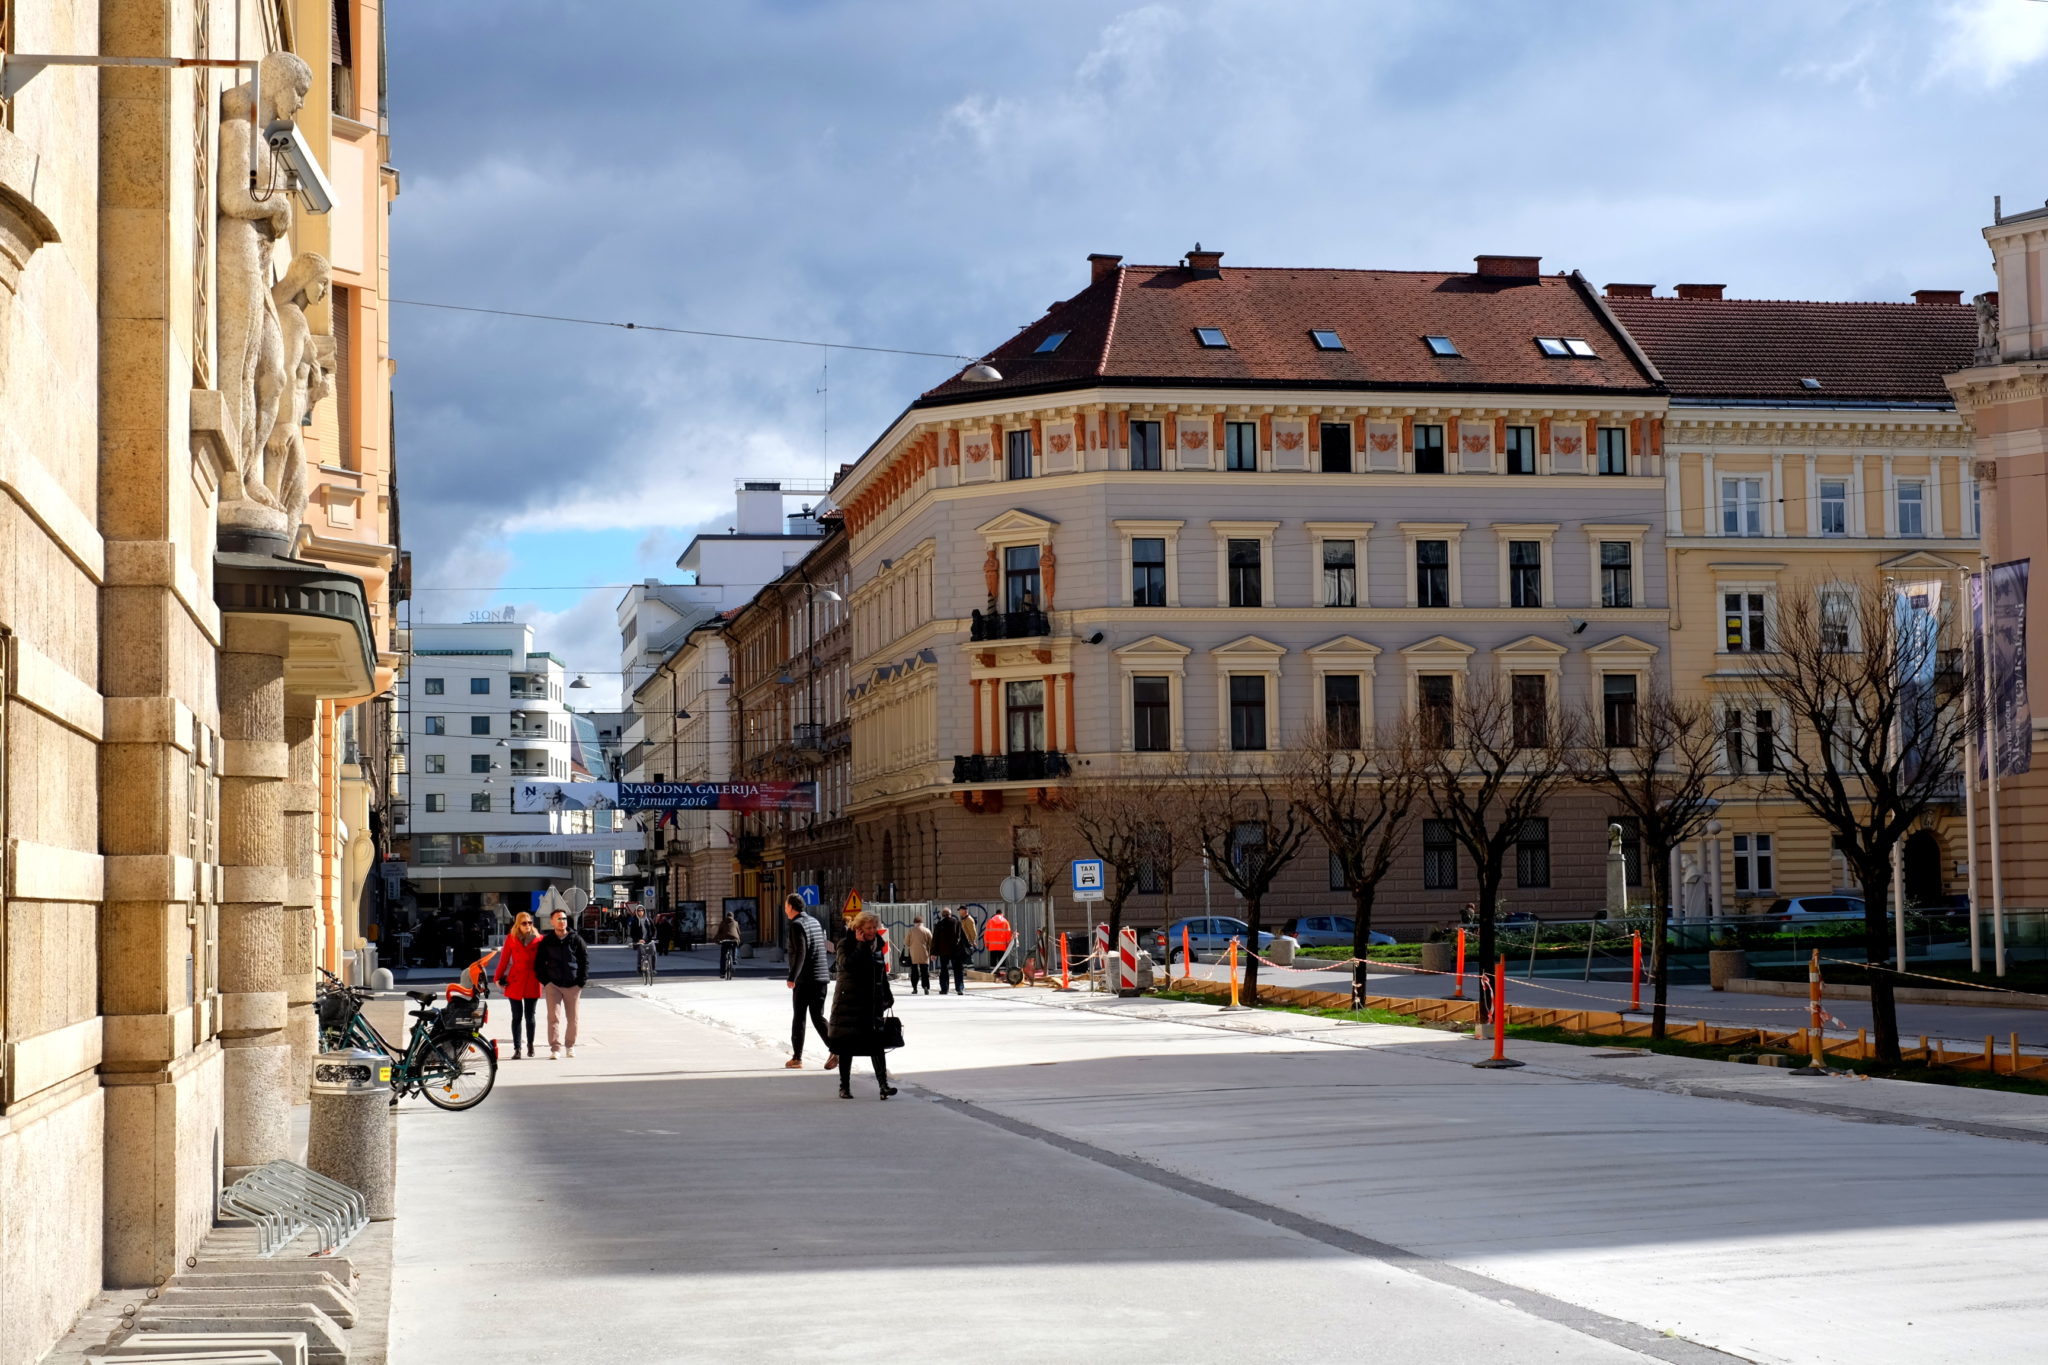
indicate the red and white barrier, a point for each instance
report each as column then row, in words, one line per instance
column 1127, row 962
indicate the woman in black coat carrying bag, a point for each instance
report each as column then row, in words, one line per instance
column 860, row 1000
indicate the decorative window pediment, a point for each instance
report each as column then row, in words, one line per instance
column 1016, row 524
column 1622, row 648
column 1152, row 647
column 1249, row 649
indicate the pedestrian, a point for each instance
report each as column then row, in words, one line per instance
column 995, row 936
column 728, row 944
column 970, row 932
column 859, row 1000
column 949, row 950
column 809, row 974
column 514, row 973
column 563, row 966
column 918, row 945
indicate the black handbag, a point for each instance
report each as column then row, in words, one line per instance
column 892, row 1032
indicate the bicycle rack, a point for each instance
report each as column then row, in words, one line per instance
column 283, row 1199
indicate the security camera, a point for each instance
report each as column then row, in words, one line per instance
column 1578, row 626
column 288, row 144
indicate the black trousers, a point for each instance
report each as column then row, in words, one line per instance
column 881, row 1063
column 958, row 967
column 805, row 996
column 523, row 1010
column 921, row 976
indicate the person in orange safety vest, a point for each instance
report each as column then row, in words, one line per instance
column 995, row 936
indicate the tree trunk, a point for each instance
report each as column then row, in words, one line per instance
column 1362, row 898
column 1660, row 939
column 1253, row 914
column 1877, row 949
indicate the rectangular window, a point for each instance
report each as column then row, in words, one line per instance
column 437, row 802
column 1531, row 697
column 1148, row 571
column 1145, row 445
column 1525, row 573
column 1435, row 700
column 1439, row 856
column 1020, row 578
column 1247, row 588
column 1766, row 742
column 1742, row 620
column 480, row 803
column 437, row 763
column 1024, row 715
column 1429, row 449
column 480, row 763
column 1834, row 507
column 1343, row 718
column 1338, row 881
column 479, row 725
column 1618, row 709
column 1751, row 740
column 1017, row 448
column 1432, row 573
column 436, row 686
column 433, row 850
column 1521, row 450
column 437, row 725
column 1742, row 507
column 1912, row 502
column 1241, row 445
column 1247, row 711
column 1614, row 450
column 479, row 687
column 1753, row 873
column 1532, row 853
column 1151, row 715
column 1325, row 339
column 1976, row 508
column 1340, row 573
column 1837, row 612
column 1336, row 447
column 1617, row 573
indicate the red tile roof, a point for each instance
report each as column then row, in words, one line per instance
column 1762, row 348
column 1135, row 325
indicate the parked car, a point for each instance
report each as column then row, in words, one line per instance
column 1208, row 935
column 1818, row 907
column 1333, row 931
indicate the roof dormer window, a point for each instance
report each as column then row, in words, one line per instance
column 1325, row 339
column 1050, row 344
column 1212, row 338
column 1441, row 346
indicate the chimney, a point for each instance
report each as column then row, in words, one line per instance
column 1954, row 296
column 760, row 508
column 1101, row 264
column 1508, row 267
column 1631, row 291
column 1701, row 291
column 1205, row 265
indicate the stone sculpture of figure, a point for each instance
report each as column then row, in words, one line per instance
column 299, row 361
column 1048, row 566
column 249, row 226
column 991, row 571
column 1987, row 328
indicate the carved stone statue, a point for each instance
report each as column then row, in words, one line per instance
column 991, row 572
column 1048, row 569
column 300, row 361
column 250, row 223
column 1987, row 328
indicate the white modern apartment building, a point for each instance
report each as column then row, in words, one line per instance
column 483, row 709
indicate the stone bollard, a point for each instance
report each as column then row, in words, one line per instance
column 1725, row 965
column 349, row 1134
column 1440, row 957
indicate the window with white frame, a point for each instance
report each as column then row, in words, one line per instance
column 1618, row 705
column 1614, row 450
column 1754, row 875
column 1246, row 572
column 1017, row 452
column 1745, row 621
column 1525, row 573
column 1151, row 713
column 1247, row 711
column 1751, row 739
column 1148, row 571
column 1833, row 519
column 1241, row 446
column 480, row 803
column 1340, row 573
column 437, row 802
column 437, row 763
column 1145, row 445
column 1530, row 697
column 1436, row 708
column 1837, row 615
column 1910, row 502
column 1742, row 507
column 1521, row 450
column 1976, row 506
column 1617, row 573
column 1432, row 573
column 1343, row 710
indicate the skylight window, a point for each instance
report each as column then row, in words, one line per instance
column 1050, row 344
column 1326, row 340
column 1567, row 346
column 1579, row 346
column 1809, row 383
column 1441, row 346
column 1552, row 345
column 1211, row 337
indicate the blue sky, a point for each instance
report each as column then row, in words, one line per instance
column 932, row 175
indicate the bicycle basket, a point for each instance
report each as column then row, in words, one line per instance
column 337, row 1008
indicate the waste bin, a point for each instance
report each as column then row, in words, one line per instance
column 349, row 1133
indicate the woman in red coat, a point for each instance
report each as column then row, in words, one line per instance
column 515, row 973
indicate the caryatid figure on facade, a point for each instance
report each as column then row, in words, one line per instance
column 251, row 222
column 298, row 360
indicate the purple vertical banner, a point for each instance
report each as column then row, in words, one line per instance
column 2006, row 645
column 1973, row 596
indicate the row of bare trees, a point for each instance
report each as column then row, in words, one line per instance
column 1873, row 715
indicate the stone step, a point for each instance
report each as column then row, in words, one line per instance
column 208, row 1263
column 197, row 1356
column 326, row 1344
column 330, row 1299
column 286, row 1348
column 275, row 1282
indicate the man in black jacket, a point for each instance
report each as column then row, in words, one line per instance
column 562, row 966
column 949, row 951
column 808, row 973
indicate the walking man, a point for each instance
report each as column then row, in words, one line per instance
column 808, row 974
column 949, row 950
column 918, row 944
column 563, row 967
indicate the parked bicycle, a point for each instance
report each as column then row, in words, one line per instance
column 447, row 1058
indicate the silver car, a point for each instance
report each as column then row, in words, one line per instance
column 1333, row 931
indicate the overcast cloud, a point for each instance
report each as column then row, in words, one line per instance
column 931, row 175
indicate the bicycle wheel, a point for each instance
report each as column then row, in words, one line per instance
column 458, row 1072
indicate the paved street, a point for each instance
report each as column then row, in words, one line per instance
column 674, row 1193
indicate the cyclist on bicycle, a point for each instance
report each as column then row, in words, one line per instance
column 728, row 944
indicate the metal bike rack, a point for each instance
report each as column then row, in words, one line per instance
column 283, row 1199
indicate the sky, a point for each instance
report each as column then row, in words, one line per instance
column 931, row 176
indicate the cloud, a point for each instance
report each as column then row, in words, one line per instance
column 1988, row 42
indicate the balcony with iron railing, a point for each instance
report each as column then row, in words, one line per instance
column 1023, row 765
column 1024, row 624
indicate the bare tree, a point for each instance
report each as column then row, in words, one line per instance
column 1659, row 760
column 1495, row 755
column 1249, row 829
column 1112, row 821
column 1878, row 724
column 1358, row 793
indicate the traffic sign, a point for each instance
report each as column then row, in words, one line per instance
column 808, row 894
column 1087, row 879
column 1013, row 890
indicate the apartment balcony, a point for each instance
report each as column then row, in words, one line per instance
column 1025, row 765
column 1009, row 625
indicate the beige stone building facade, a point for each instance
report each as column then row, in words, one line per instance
column 199, row 538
